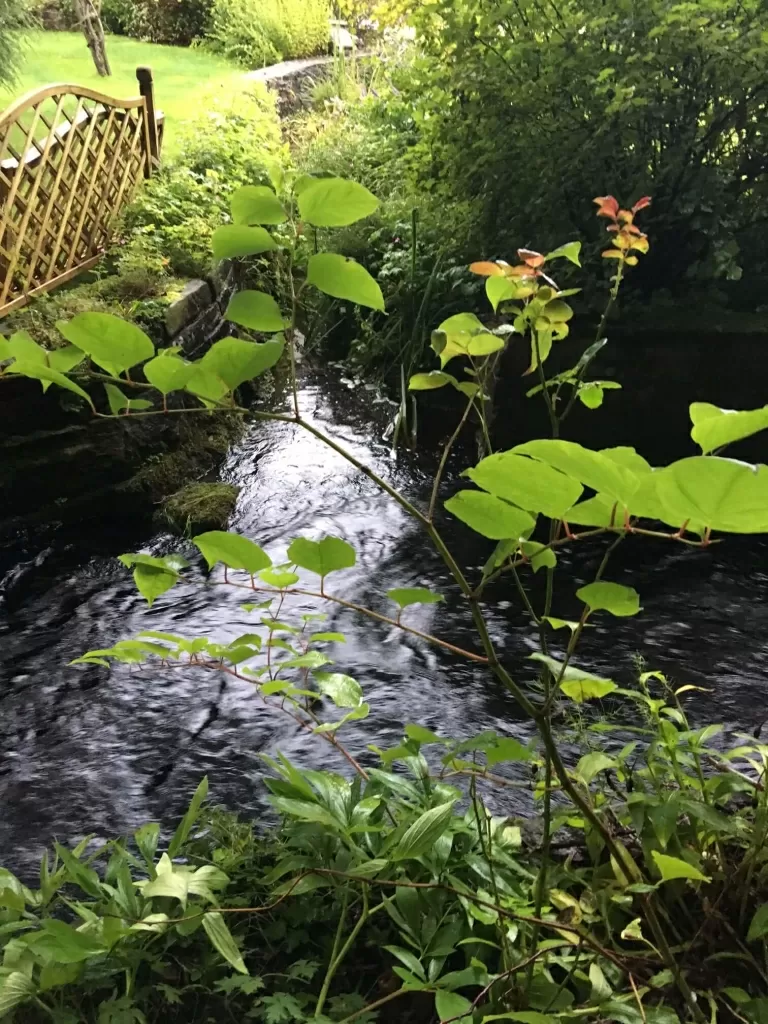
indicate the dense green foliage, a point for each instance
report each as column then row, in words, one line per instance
column 177, row 22
column 496, row 122
column 170, row 223
column 639, row 895
column 259, row 32
column 514, row 99
column 13, row 17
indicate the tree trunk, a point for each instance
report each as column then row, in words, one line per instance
column 88, row 14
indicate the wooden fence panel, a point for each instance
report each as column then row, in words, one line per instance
column 70, row 160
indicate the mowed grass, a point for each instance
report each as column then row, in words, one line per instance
column 185, row 79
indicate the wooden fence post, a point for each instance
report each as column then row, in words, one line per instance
column 146, row 89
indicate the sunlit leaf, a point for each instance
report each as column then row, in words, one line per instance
column 233, row 550
column 187, row 823
column 714, row 427
column 569, row 251
column 610, row 597
column 421, row 735
column 507, row 748
column 597, row 511
column 335, row 202
column 278, row 578
column 231, row 241
column 256, row 204
column 530, row 484
column 577, row 683
column 255, row 310
column 488, row 515
column 235, row 361
column 221, row 938
column 592, row 764
column 343, row 278
column 499, row 289
column 65, row 359
column 590, row 395
column 205, row 385
column 422, row 834
column 720, row 493
column 673, row 867
column 168, row 373
column 112, row 343
column 153, row 576
column 22, row 346
column 407, row 958
column 541, row 345
column 430, row 381
column 557, row 311
column 344, row 691
column 484, row 344
column 60, row 942
column 327, row 555
column 539, row 555
column 453, row 1006
column 591, row 468
column 405, row 596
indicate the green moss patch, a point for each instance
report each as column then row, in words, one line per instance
column 199, row 507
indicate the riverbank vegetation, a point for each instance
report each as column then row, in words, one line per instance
column 436, row 219
column 392, row 891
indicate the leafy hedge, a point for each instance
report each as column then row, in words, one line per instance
column 260, row 32
column 176, row 22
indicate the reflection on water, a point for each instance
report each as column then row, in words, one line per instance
column 84, row 751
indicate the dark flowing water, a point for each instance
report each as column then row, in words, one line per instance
column 85, row 751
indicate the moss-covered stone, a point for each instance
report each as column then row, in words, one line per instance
column 200, row 444
column 199, row 507
column 143, row 295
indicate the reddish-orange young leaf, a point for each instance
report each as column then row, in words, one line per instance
column 609, row 206
column 522, row 270
column 486, row 269
column 633, row 228
column 613, row 254
column 641, row 204
column 613, row 227
column 531, row 258
column 625, row 216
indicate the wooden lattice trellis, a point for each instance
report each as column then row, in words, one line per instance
column 70, row 159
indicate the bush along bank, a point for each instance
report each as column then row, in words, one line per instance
column 391, row 891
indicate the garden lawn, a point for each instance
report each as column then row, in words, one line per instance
column 184, row 78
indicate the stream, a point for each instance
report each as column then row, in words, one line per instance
column 86, row 751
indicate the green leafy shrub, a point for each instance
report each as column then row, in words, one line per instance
column 421, row 266
column 173, row 217
column 174, row 22
column 14, row 16
column 259, row 32
column 524, row 110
